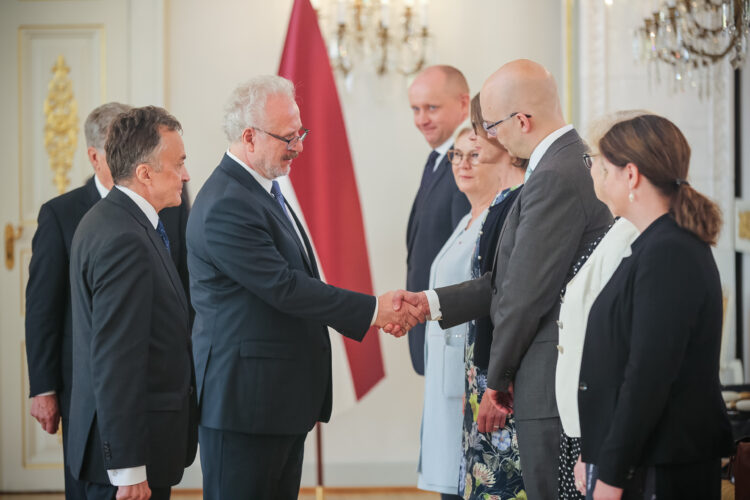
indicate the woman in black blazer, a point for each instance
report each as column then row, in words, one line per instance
column 652, row 418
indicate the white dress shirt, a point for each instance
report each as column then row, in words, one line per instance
column 100, row 187
column 442, row 150
column 536, row 155
column 133, row 475
column 542, row 148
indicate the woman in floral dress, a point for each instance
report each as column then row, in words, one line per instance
column 490, row 465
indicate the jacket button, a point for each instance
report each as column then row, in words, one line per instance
column 560, row 348
column 583, row 386
column 559, row 324
column 479, row 257
column 494, row 290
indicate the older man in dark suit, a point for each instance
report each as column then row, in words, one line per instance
column 48, row 314
column 555, row 218
column 439, row 99
column 260, row 339
column 132, row 429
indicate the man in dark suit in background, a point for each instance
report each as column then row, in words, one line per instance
column 48, row 317
column 555, row 219
column 260, row 339
column 132, row 426
column 439, row 98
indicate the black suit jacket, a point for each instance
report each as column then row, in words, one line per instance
column 48, row 314
column 260, row 338
column 132, row 370
column 649, row 388
column 435, row 212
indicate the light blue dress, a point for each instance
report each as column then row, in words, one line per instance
column 442, row 417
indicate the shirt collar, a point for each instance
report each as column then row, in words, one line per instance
column 441, row 150
column 144, row 205
column 543, row 146
column 100, row 187
column 265, row 183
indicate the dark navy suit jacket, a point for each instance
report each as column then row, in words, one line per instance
column 260, row 338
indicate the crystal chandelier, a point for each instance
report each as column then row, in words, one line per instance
column 390, row 36
column 689, row 36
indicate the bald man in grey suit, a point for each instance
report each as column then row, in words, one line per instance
column 555, row 218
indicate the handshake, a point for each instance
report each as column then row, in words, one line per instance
column 400, row 311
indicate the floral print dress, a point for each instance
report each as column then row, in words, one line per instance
column 490, row 466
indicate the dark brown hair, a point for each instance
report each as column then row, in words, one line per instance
column 475, row 115
column 134, row 138
column 662, row 154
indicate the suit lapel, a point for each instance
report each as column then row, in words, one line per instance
column 231, row 168
column 443, row 168
column 122, row 200
column 568, row 138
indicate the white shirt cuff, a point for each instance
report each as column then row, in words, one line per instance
column 127, row 477
column 432, row 299
column 375, row 314
column 48, row 393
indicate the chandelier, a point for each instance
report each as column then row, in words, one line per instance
column 389, row 36
column 689, row 36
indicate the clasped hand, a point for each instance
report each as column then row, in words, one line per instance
column 400, row 311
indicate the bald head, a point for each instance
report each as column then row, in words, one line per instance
column 439, row 98
column 525, row 87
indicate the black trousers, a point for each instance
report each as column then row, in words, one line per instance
column 239, row 466
column 668, row 481
column 95, row 491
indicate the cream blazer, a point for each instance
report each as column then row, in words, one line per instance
column 580, row 294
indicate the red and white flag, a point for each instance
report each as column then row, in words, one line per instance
column 325, row 190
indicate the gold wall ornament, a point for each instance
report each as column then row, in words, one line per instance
column 743, row 229
column 12, row 233
column 61, row 127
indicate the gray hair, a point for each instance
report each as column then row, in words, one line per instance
column 98, row 122
column 135, row 138
column 246, row 106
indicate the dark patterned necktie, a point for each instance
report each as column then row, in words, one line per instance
column 276, row 192
column 429, row 170
column 163, row 233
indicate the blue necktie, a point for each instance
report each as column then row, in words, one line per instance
column 276, row 192
column 163, row 233
column 429, row 170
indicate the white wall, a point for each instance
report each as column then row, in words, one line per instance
column 212, row 46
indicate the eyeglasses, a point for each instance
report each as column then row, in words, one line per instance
column 491, row 128
column 290, row 143
column 588, row 160
column 456, row 156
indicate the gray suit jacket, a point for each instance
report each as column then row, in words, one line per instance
column 554, row 219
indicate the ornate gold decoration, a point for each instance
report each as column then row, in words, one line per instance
column 61, row 129
column 11, row 235
column 743, row 231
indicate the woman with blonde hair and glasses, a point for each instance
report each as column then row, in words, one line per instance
column 653, row 423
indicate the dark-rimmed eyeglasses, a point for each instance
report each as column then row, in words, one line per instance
column 456, row 157
column 491, row 128
column 291, row 143
column 588, row 160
